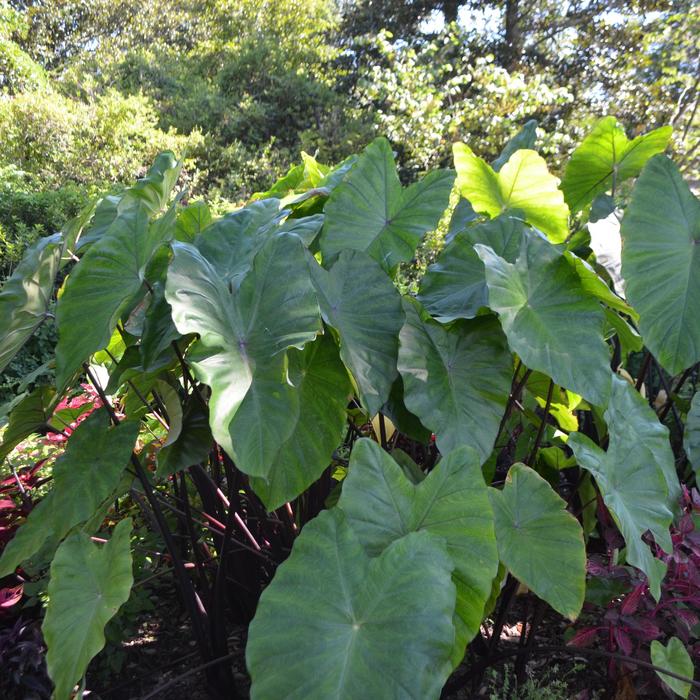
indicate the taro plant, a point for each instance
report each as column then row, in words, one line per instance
column 268, row 398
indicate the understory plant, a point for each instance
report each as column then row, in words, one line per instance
column 361, row 475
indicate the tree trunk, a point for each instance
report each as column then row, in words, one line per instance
column 514, row 38
column 450, row 10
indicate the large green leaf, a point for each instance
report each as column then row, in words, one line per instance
column 522, row 185
column 30, row 415
column 371, row 212
column 243, row 337
column 452, row 502
column 673, row 657
column 605, row 158
column 89, row 583
column 661, row 263
column 634, row 487
column 364, row 628
column 360, row 302
column 553, row 325
column 455, row 285
column 84, row 476
column 323, row 388
column 230, row 244
column 456, row 378
column 539, row 541
column 691, row 436
column 25, row 295
column 101, row 287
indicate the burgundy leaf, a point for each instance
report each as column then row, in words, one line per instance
column 631, row 601
column 623, row 641
column 10, row 596
column 584, row 637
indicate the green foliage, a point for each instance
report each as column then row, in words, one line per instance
column 245, row 354
column 539, row 541
column 670, row 263
column 85, row 478
column 371, row 212
column 607, row 158
column 547, row 317
column 382, row 505
column 368, row 603
column 522, row 187
column 675, row 658
column 630, row 480
column 88, row 585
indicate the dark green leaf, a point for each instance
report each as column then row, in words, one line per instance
column 84, row 476
column 323, row 387
column 370, row 211
column 456, row 379
column 382, row 505
column 539, row 541
column 634, row 487
column 550, row 322
column 360, row 302
column 526, row 138
column 455, row 285
column 365, row 628
column 231, row 243
column 661, row 264
column 89, row 583
column 101, row 287
column 191, row 446
column 243, row 337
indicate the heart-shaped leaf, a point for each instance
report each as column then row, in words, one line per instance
column 634, row 487
column 243, row 337
column 360, row 302
column 371, row 212
column 661, row 264
column 550, row 321
column 522, row 185
column 539, row 541
column 383, row 505
column 89, row 583
column 456, row 378
column 606, row 158
column 673, row 657
column 365, row 628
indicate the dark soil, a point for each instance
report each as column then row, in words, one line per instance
column 162, row 651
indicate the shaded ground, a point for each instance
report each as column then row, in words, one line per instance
column 163, row 650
